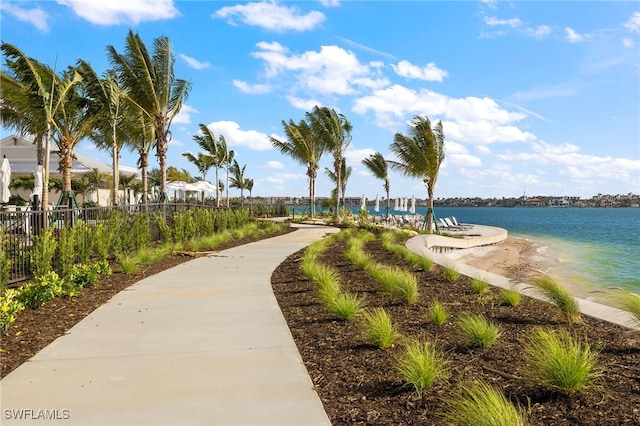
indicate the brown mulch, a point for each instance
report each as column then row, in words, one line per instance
column 36, row 328
column 357, row 382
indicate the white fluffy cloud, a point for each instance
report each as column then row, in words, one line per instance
column 633, row 24
column 330, row 71
column 115, row 12
column 235, row 136
column 193, row 62
column 573, row 37
column 35, row 16
column 492, row 21
column 253, row 89
column 429, row 72
column 184, row 116
column 270, row 16
column 275, row 164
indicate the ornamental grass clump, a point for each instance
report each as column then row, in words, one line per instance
column 560, row 297
column 406, row 288
column 345, row 305
column 510, row 297
column 355, row 253
column 478, row 330
column 479, row 285
column 379, row 328
column 482, row 404
column 327, row 284
column 421, row 364
column 558, row 361
column 450, row 273
column 630, row 302
column 438, row 313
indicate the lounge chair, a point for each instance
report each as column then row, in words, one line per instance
column 464, row 225
column 453, row 227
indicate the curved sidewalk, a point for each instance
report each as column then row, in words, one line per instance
column 202, row 343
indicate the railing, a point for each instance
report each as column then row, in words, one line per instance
column 19, row 227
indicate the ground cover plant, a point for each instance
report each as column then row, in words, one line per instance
column 359, row 383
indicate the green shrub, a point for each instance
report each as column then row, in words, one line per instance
column 421, row 364
column 482, row 404
column 510, row 297
column 127, row 263
column 101, row 241
column 44, row 250
column 379, row 328
column 41, row 290
column 5, row 263
column 560, row 297
column 477, row 330
column 479, row 285
column 10, row 307
column 450, row 272
column 66, row 251
column 82, row 241
column 560, row 362
column 438, row 313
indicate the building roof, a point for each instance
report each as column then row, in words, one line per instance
column 22, row 157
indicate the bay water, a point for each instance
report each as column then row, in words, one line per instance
column 593, row 251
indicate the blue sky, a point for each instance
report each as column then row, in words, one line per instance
column 535, row 96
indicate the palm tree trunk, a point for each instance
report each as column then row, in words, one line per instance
column 145, row 181
column 161, row 153
column 430, row 190
column 338, row 166
column 217, row 189
column 312, row 195
column 116, row 174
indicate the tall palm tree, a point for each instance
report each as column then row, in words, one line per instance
column 306, row 149
column 202, row 162
column 32, row 95
column 95, row 177
column 237, row 179
column 139, row 135
column 420, row 155
column 334, row 132
column 248, row 184
column 127, row 182
column 230, row 154
column 379, row 167
column 345, row 172
column 153, row 88
column 107, row 99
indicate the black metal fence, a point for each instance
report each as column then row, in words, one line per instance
column 20, row 227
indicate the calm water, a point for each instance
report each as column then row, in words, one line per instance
column 588, row 249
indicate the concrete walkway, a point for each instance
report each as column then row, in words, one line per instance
column 203, row 343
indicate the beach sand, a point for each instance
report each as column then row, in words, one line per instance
column 514, row 258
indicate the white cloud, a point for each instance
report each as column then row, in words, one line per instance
column 36, row 16
column 282, row 178
column 330, row 3
column 627, row 42
column 193, row 62
column 491, row 4
column 430, row 72
column 303, row 104
column 270, row 16
column 573, row 37
column 578, row 166
column 275, row 164
column 540, row 32
column 474, row 120
column 492, row 21
column 366, row 48
column 330, row 71
column 184, row 116
column 354, row 157
column 254, row 89
column 633, row 24
column 235, row 136
column 115, row 12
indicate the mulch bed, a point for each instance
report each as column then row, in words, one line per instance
column 357, row 382
column 36, row 328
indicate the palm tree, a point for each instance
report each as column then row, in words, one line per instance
column 139, row 131
column 305, row 148
column 420, row 155
column 107, row 99
column 237, row 179
column 127, row 182
column 345, row 172
column 153, row 88
column 379, row 167
column 215, row 151
column 334, row 132
column 227, row 166
column 95, row 177
column 32, row 94
column 248, row 184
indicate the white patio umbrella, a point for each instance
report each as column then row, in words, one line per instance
column 376, row 207
column 412, row 207
column 396, row 204
column 5, row 179
column 363, row 203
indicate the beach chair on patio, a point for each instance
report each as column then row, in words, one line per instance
column 462, row 225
